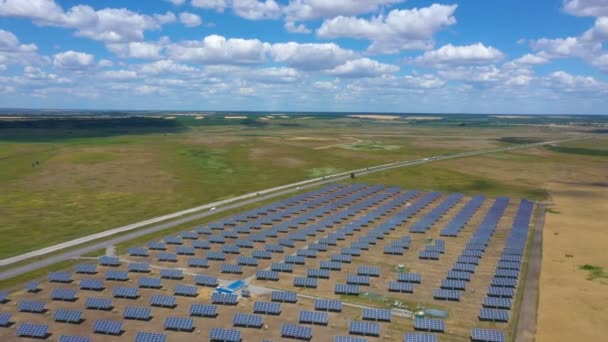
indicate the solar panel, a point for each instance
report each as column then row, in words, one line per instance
column 305, row 282
column 157, row 246
column 247, row 320
column 205, row 280
column 364, row 328
column 505, row 273
column 346, row 289
column 150, row 337
column 296, row 331
column 230, row 268
column 429, row 255
column 295, row 259
column 68, row 316
column 371, row 271
column 136, row 313
column 138, row 251
column 419, row 337
column 185, row 290
column 171, row 273
column 463, row 267
column 179, row 324
column 109, row 261
column 428, row 324
column 189, row 235
column 224, row 298
column 33, row 286
column 404, row 277
column 504, row 282
column 452, row 284
column 98, row 303
column 162, row 301
column 393, row 250
column 224, row 335
column 333, row 305
column 267, row 275
column 85, row 268
column 283, row 296
column 441, row 294
column 395, row 286
column 203, row 310
column 343, row 258
column 32, row 330
column 231, row 249
column 60, row 277
column 270, row 308
column 198, row 262
column 91, row 284
column 459, row 275
column 330, row 265
column 71, row 338
column 107, row 327
column 63, row 294
column 139, row 267
column 349, row 339
column 357, row 280
column 126, row 292
column 149, row 283
column 5, row 319
column 493, row 315
column 505, row 292
column 382, row 315
column 164, row 256
column 214, row 255
column 201, row 244
column 173, row 240
column 281, row 267
column 497, row 303
column 487, row 335
column 117, row 275
column 310, row 317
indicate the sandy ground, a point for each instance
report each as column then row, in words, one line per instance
column 354, row 141
column 572, row 308
column 374, row 116
column 235, row 117
column 423, row 117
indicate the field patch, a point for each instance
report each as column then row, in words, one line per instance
column 578, row 150
column 370, row 146
column 323, row 171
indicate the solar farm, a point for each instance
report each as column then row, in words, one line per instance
column 348, row 262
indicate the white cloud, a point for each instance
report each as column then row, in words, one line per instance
column 119, row 74
column 177, row 2
column 590, row 8
column 304, row 10
column 275, row 75
column 407, row 29
column 565, row 47
column 218, row 5
column 165, row 67
column 325, row 85
column 147, row 89
column 530, row 59
column 460, row 55
column 256, row 10
column 104, row 63
column 292, row 27
column 601, row 62
column 599, row 31
column 73, row 60
column 310, row 56
column 12, row 51
column 566, row 82
column 216, row 49
column 141, row 50
column 363, row 67
column 427, row 81
column 190, row 19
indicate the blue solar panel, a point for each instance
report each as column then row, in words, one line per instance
column 309, row 317
column 91, row 284
column 71, row 338
column 305, row 282
column 429, row 255
column 230, row 268
column 157, row 246
column 109, row 261
column 267, row 275
column 343, row 258
column 174, row 240
column 151, row 283
column 404, row 277
column 32, row 330
column 185, row 290
column 137, row 313
column 205, row 280
column 504, row 282
column 117, row 275
column 150, row 337
column 126, row 292
column 33, row 286
column 139, row 267
column 162, row 301
column 371, row 271
column 107, row 327
column 371, row 314
column 487, row 335
column 427, row 324
column 85, row 268
column 281, row 267
column 98, row 303
column 505, row 292
column 247, row 320
column 68, row 316
column 5, row 319
column 364, row 328
column 164, row 256
column 60, row 277
column 497, row 303
column 284, row 297
column 270, row 308
column 138, row 251
column 459, row 275
column 198, row 262
column 203, row 310
column 63, row 294
column 493, row 315
column 296, row 331
column 349, row 339
column 395, row 286
column 346, row 289
column 201, row 244
column 330, row 265
column 452, row 284
column 419, row 337
column 179, row 323
column 213, row 255
column 441, row 294
column 224, row 298
column 295, row 259
column 171, row 273
column 224, row 335
column 333, row 305
column 357, row 280
column 464, row 267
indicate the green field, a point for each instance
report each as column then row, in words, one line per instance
column 63, row 179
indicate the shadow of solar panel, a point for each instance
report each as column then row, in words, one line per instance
column 283, row 297
column 269, row 308
column 247, row 320
column 68, row 316
column 185, row 290
column 494, row 315
column 204, row 280
column 171, row 273
column 224, row 335
column 126, row 292
column 203, row 310
column 487, row 335
column 310, row 317
column 224, row 298
column 380, row 315
column 109, row 261
column 91, row 284
column 63, row 294
column 71, row 338
column 497, row 303
column 428, row 324
column 405, row 277
column 107, row 327
column 267, row 275
column 419, row 337
column 139, row 267
column 451, row 295
column 150, row 337
column 32, row 330
column 137, row 313
column 163, row 301
column 346, row 289
column 296, row 331
column 167, row 257
column 60, row 277
column 230, row 268
column 179, row 324
column 117, row 275
column 364, row 328
column 85, row 268
column 98, row 303
column 138, row 252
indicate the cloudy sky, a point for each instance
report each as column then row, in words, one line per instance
column 480, row 56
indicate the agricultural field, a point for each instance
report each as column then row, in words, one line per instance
column 335, row 236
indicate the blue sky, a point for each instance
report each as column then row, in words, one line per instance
column 473, row 56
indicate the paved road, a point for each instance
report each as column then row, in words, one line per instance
column 204, row 211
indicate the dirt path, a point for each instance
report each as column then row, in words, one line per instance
column 355, row 141
column 526, row 325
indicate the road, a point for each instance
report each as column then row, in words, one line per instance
column 204, row 211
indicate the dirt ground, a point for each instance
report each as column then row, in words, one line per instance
column 571, row 307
